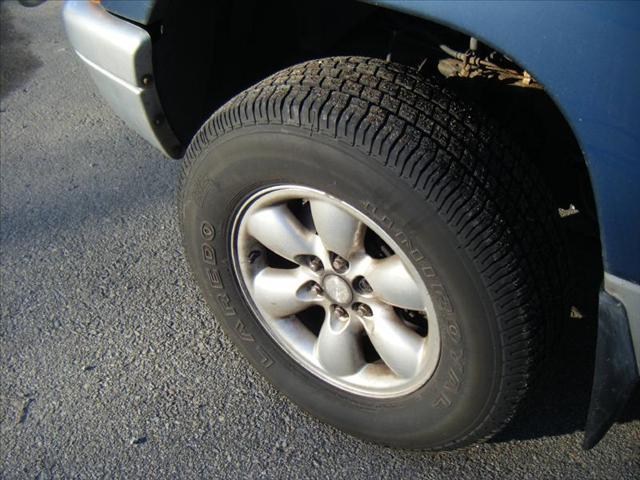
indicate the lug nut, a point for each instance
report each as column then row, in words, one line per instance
column 315, row 264
column 340, row 312
column 253, row 256
column 339, row 264
column 317, row 289
column 363, row 310
column 362, row 286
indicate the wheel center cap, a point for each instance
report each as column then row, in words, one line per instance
column 338, row 289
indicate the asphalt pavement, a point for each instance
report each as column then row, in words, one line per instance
column 112, row 366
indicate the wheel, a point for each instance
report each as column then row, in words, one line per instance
column 376, row 248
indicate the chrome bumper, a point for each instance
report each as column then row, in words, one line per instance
column 118, row 55
column 628, row 294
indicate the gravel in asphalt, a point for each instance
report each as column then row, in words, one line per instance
column 112, row 366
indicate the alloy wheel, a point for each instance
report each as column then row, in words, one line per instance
column 335, row 291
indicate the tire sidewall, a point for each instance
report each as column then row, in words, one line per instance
column 462, row 390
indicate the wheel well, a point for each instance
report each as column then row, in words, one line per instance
column 203, row 56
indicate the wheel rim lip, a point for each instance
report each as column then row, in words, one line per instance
column 385, row 386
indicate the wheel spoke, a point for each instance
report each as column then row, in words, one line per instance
column 275, row 290
column 398, row 346
column 338, row 347
column 280, row 231
column 339, row 231
column 392, row 282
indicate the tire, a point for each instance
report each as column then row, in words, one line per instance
column 438, row 178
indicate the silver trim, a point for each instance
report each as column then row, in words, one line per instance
column 118, row 56
column 629, row 295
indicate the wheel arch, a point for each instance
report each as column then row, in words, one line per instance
column 198, row 69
